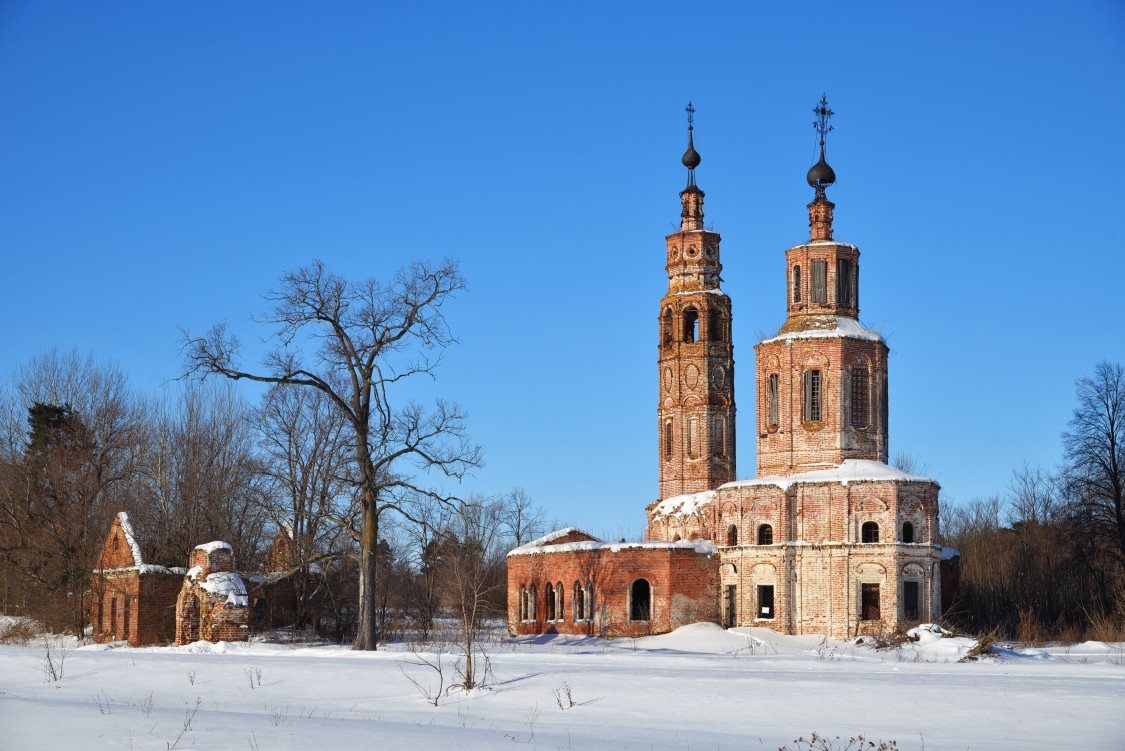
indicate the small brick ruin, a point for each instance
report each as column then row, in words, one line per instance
column 827, row 539
column 142, row 603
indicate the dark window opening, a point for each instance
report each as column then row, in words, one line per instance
column 523, row 603
column 860, row 401
column 718, row 436
column 765, row 535
column 689, row 438
column 910, row 603
column 869, row 602
column 869, row 532
column 765, row 602
column 549, row 595
column 579, row 600
column 560, row 611
column 667, row 439
column 125, row 616
column 732, row 535
column 907, row 532
column 796, row 284
column 774, row 402
column 845, row 282
column 814, row 396
column 112, row 618
column 716, row 327
column 819, row 281
column 730, row 605
column 640, row 600
column 666, row 328
column 691, row 325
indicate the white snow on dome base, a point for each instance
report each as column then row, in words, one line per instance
column 852, row 470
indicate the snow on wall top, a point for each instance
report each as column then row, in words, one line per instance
column 558, row 534
column 948, row 554
column 852, row 470
column 846, row 328
column 227, row 583
column 130, row 537
column 704, row 547
column 214, row 545
column 683, row 505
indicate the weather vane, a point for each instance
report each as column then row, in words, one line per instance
column 822, row 112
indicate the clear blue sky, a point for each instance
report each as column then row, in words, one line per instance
column 162, row 164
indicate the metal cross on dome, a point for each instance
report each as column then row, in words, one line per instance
column 822, row 112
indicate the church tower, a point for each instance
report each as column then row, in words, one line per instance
column 696, row 362
column 822, row 380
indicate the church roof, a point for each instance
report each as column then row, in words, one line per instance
column 830, row 327
column 852, row 470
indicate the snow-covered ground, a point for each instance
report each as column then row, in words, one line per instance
column 698, row 688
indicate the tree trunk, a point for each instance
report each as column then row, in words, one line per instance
column 367, row 635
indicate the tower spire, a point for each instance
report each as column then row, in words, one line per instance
column 820, row 176
column 691, row 218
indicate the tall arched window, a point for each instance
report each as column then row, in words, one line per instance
column 549, row 596
column 732, row 535
column 813, row 397
column 908, row 532
column 523, row 603
column 691, row 325
column 716, row 326
column 578, row 603
column 845, row 282
column 861, row 406
column 765, row 534
column 667, row 439
column 666, row 328
column 774, row 402
column 796, row 284
column 640, row 600
column 560, row 611
column 869, row 532
column 819, row 293
column 532, row 603
column 590, row 603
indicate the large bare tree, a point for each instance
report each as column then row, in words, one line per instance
column 355, row 342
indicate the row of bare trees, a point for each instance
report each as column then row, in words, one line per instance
column 1047, row 560
column 355, row 473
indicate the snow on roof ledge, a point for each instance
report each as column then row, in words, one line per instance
column 130, row 537
column 214, row 545
column 549, row 538
column 847, row 328
column 703, row 547
column 852, row 470
column 683, row 505
column 948, row 554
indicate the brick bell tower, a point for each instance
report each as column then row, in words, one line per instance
column 822, row 380
column 696, row 362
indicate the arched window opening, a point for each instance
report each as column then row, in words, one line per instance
column 869, row 602
column 819, row 292
column 691, row 325
column 813, row 397
column 689, row 438
column 796, row 284
column 578, row 603
column 860, row 398
column 716, row 326
column 845, row 282
column 774, row 401
column 560, row 611
column 667, row 439
column 532, row 603
column 765, row 534
column 640, row 600
column 549, row 595
column 911, row 600
column 523, row 603
column 718, row 436
column 908, row 532
column 590, row 600
column 732, row 535
column 666, row 328
column 869, row 532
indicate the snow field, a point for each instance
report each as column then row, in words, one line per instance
column 697, row 688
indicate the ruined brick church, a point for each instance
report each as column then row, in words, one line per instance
column 827, row 539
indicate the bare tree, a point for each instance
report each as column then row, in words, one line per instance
column 522, row 520
column 1095, row 456
column 71, row 441
column 354, row 342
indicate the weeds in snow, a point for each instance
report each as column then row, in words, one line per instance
column 254, row 675
column 52, row 663
column 434, row 662
column 563, row 696
column 191, row 677
column 189, row 718
column 822, row 743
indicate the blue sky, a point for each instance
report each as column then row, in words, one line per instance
column 161, row 165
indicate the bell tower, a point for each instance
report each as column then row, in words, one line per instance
column 822, row 380
column 696, row 358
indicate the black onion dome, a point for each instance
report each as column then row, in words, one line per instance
column 691, row 158
column 820, row 175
